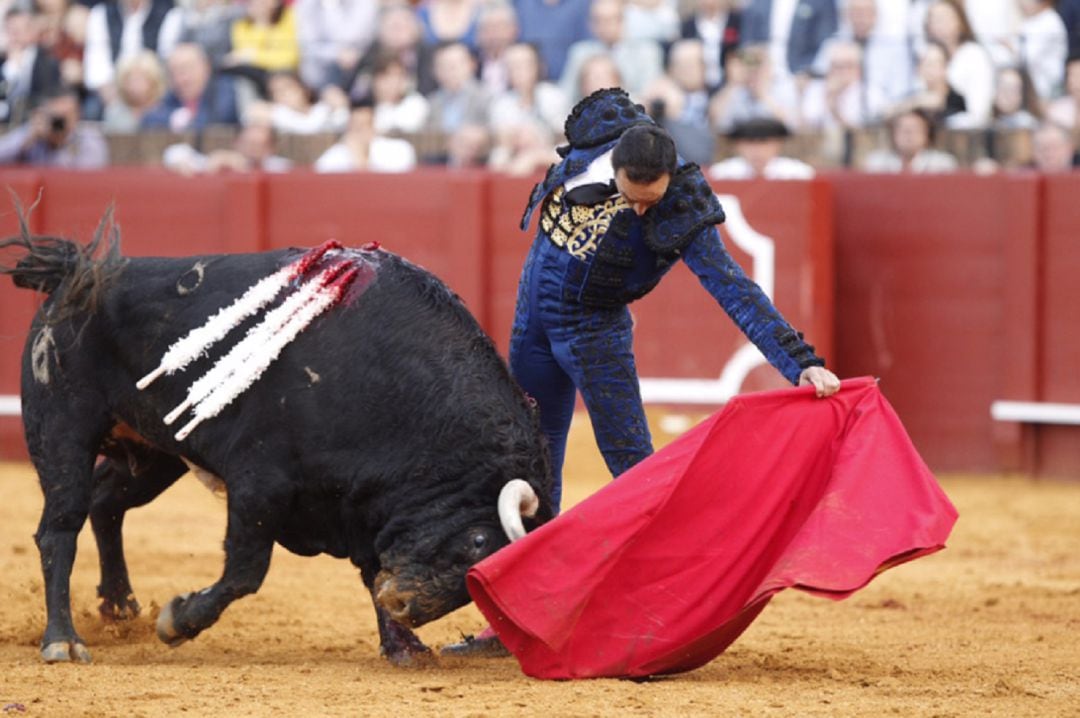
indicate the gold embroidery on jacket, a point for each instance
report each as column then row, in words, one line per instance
column 579, row 228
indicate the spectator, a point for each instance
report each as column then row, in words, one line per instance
column 758, row 145
column 656, row 20
column 716, row 23
column 28, row 73
column 753, row 90
column 496, row 30
column 54, row 137
column 886, row 60
column 932, row 92
column 842, row 100
column 398, row 107
column 333, row 35
column 362, row 149
column 599, row 72
column 969, row 69
column 208, row 23
column 523, row 149
column 1065, row 110
column 398, row 36
column 995, row 23
column 1041, row 46
column 265, row 38
column 196, row 97
column 460, row 100
column 1054, row 149
column 639, row 61
column 117, row 29
column 793, row 30
column 253, row 150
column 444, row 21
column 468, row 148
column 553, row 27
column 529, row 99
column 911, row 134
column 1016, row 104
column 679, row 101
column 140, row 88
column 1070, row 14
column 63, row 34
column 292, row 111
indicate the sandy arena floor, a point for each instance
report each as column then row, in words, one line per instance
column 990, row 626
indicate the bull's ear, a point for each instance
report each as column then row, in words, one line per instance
column 516, row 499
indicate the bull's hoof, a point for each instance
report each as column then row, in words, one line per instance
column 166, row 628
column 412, row 657
column 65, row 652
column 124, row 609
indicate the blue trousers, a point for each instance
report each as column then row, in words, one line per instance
column 559, row 347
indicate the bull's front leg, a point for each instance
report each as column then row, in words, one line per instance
column 256, row 507
column 118, row 488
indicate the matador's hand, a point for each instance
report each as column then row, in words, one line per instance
column 825, row 382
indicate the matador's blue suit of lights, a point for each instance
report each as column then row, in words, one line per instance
column 589, row 260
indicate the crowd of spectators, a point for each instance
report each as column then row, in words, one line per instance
column 474, row 83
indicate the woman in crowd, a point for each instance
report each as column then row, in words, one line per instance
column 449, row 21
column 969, row 68
column 291, row 110
column 528, row 98
column 398, row 106
column 265, row 38
column 140, row 85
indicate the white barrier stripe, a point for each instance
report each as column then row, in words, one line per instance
column 10, row 405
column 1037, row 412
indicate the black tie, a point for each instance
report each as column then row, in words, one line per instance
column 592, row 193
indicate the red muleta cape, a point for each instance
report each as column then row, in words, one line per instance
column 662, row 569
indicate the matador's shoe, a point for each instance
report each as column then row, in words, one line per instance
column 483, row 645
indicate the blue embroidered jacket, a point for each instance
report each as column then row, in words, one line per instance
column 631, row 254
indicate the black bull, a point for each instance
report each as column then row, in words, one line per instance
column 385, row 433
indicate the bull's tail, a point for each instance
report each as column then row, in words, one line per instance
column 75, row 275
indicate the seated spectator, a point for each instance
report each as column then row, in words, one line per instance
column 969, row 69
column 523, row 149
column 468, row 148
column 253, row 150
column 55, row 137
column 208, row 23
column 528, row 99
column 460, row 100
column 639, row 61
column 758, row 144
column 117, row 29
column 1054, row 149
column 753, row 90
column 333, row 36
column 496, row 30
column 655, row 20
column 444, row 21
column 1016, row 104
column 793, row 31
column 716, row 23
column 265, row 38
column 69, row 44
column 1065, row 110
column 196, row 97
column 398, row 107
column 679, row 101
column 1041, row 46
column 842, row 100
column 599, row 72
column 28, row 73
column 553, row 27
column 911, row 134
column 397, row 35
column 932, row 92
column 291, row 110
column 886, row 56
column 140, row 84
column 362, row 149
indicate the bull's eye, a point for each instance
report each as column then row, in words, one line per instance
column 479, row 541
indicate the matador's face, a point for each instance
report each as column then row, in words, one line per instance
column 641, row 195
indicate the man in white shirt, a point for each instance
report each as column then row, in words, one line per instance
column 758, row 146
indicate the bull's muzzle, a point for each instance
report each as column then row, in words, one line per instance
column 392, row 599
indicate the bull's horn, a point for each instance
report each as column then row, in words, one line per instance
column 516, row 499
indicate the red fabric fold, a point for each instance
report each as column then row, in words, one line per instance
column 662, row 569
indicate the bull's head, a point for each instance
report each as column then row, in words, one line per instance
column 427, row 580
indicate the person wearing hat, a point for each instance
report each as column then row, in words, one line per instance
column 616, row 214
column 758, row 145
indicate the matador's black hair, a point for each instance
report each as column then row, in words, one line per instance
column 646, row 153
